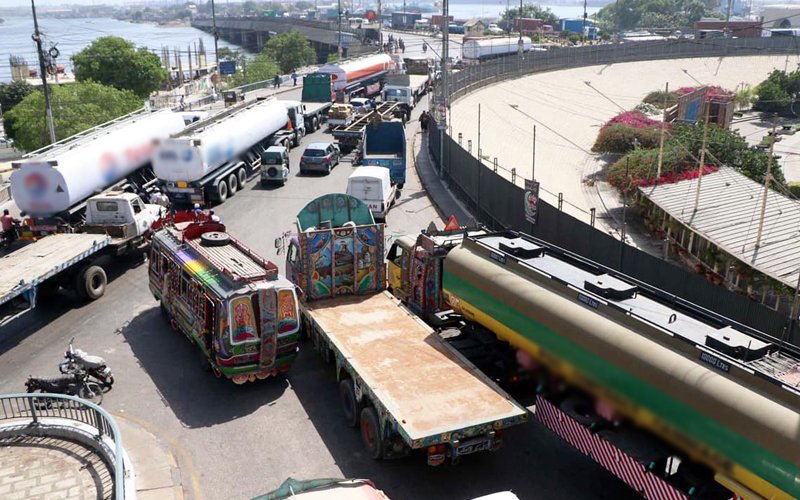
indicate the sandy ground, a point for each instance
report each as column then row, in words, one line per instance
column 568, row 113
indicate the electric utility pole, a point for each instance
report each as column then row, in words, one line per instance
column 37, row 37
column 216, row 34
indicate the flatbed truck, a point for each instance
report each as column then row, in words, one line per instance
column 401, row 383
column 117, row 224
column 350, row 136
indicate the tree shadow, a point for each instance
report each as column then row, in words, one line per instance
column 197, row 397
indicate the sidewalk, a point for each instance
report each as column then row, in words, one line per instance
column 45, row 468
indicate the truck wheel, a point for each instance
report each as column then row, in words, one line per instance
column 350, row 407
column 314, row 124
column 296, row 140
column 371, row 433
column 91, row 283
column 222, row 191
column 233, row 184
column 241, row 176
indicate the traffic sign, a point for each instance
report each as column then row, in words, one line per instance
column 227, row 67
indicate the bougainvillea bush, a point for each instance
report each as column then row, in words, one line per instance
column 621, row 133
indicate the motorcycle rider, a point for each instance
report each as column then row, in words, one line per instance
column 9, row 230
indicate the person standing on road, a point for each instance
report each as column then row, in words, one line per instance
column 423, row 121
column 294, row 78
column 402, row 46
column 276, row 82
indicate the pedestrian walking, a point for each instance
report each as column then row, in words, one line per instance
column 276, row 82
column 402, row 46
column 294, row 78
column 424, row 47
column 182, row 104
column 423, row 120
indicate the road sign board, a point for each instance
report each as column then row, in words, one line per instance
column 227, row 67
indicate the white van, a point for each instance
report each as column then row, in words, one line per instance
column 373, row 186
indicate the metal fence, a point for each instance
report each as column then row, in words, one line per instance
column 496, row 70
column 32, row 408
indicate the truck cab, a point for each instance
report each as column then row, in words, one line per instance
column 123, row 216
column 297, row 117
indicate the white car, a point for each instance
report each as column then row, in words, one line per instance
column 495, row 29
column 361, row 105
column 6, row 143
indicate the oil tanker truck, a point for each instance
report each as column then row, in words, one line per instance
column 361, row 77
column 212, row 159
column 55, row 182
column 672, row 399
column 479, row 49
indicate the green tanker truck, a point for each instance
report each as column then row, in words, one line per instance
column 672, row 399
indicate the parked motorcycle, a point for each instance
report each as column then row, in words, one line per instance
column 77, row 361
column 76, row 384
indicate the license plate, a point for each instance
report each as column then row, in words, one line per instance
column 466, row 449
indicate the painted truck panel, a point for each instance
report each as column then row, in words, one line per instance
column 191, row 156
column 56, row 180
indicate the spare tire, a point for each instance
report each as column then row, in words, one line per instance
column 272, row 172
column 214, row 239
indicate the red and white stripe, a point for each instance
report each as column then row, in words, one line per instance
column 604, row 453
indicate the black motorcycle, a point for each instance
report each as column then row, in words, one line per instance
column 77, row 361
column 76, row 384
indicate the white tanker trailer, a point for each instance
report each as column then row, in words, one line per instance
column 212, row 159
column 486, row 48
column 362, row 77
column 57, row 181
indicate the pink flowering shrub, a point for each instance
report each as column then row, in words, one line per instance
column 673, row 177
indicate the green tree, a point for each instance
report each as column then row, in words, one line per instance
column 260, row 68
column 290, row 50
column 332, row 57
column 76, row 107
column 532, row 12
column 778, row 91
column 249, row 8
column 12, row 93
column 303, row 5
column 629, row 14
column 115, row 62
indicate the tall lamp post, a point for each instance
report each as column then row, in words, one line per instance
column 37, row 37
column 216, row 38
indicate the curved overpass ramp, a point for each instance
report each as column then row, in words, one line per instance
column 569, row 106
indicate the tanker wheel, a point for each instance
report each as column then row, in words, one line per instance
column 233, row 184
column 241, row 176
column 371, row 433
column 222, row 191
column 314, row 124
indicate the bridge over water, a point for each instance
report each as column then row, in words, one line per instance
column 252, row 33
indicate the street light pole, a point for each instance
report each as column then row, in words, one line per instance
column 216, row 34
column 37, row 37
column 339, row 41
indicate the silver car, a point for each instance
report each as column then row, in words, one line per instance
column 319, row 157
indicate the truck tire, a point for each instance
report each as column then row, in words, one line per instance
column 222, row 191
column 314, row 124
column 233, row 184
column 350, row 407
column 214, row 239
column 371, row 433
column 296, row 140
column 91, row 282
column 241, row 176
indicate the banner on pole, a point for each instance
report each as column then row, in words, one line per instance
column 531, row 200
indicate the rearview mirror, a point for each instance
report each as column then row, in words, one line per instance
column 278, row 242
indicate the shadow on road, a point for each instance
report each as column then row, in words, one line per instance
column 197, row 397
column 50, row 308
column 534, row 463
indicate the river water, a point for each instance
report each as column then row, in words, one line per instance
column 73, row 35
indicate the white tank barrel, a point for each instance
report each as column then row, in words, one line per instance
column 197, row 152
column 55, row 181
column 346, row 73
column 487, row 47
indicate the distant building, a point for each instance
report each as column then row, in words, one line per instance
column 405, row 20
column 735, row 28
column 529, row 25
column 474, row 27
column 575, row 25
column 436, row 20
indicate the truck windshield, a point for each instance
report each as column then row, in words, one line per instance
column 396, row 93
column 244, row 320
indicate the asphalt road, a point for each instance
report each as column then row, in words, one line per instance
column 238, row 441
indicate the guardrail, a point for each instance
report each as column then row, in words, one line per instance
column 33, row 408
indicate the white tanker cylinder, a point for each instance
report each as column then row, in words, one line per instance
column 57, row 180
column 192, row 156
column 346, row 73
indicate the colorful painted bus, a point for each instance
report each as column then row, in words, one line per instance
column 228, row 301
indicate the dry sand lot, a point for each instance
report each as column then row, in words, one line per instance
column 568, row 114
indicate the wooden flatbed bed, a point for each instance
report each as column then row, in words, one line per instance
column 431, row 392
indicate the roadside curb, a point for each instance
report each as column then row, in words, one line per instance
column 157, row 474
column 436, row 193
